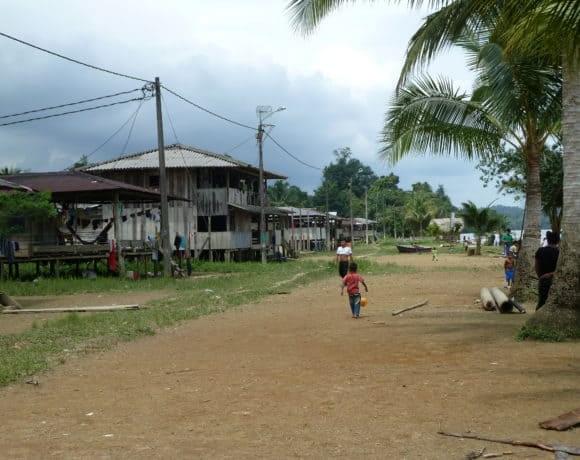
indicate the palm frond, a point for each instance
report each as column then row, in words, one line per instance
column 306, row 15
column 430, row 116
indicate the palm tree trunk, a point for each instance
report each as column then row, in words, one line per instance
column 561, row 314
column 531, row 238
column 478, row 245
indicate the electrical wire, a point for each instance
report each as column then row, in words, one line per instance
column 117, row 131
column 76, row 61
column 291, row 155
column 86, row 109
column 84, row 101
column 170, row 119
column 210, row 112
column 237, row 146
column 131, row 129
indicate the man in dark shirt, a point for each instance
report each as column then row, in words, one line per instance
column 546, row 260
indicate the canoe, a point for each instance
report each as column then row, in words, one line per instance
column 403, row 249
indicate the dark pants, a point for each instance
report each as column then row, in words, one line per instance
column 544, row 285
column 342, row 269
column 354, row 301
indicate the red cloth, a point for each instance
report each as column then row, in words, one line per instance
column 113, row 257
column 351, row 281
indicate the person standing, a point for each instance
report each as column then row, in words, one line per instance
column 507, row 239
column 343, row 258
column 545, row 264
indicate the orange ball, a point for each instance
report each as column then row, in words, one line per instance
column 364, row 301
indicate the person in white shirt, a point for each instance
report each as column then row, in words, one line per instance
column 343, row 258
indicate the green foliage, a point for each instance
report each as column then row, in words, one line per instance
column 507, row 172
column 9, row 171
column 480, row 220
column 541, row 334
column 284, row 194
column 81, row 162
column 420, row 208
column 433, row 229
column 341, row 176
column 17, row 206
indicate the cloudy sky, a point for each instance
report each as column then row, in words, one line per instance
column 230, row 56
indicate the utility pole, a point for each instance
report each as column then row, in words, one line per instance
column 351, row 221
column 165, row 242
column 260, row 111
column 327, row 222
column 260, row 137
column 367, row 215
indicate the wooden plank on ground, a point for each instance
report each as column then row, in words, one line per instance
column 72, row 309
column 562, row 422
column 412, row 307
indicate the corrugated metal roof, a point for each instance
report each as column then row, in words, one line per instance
column 177, row 156
column 7, row 185
column 306, row 212
column 77, row 186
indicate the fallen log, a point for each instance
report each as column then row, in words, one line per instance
column 7, row 301
column 503, row 303
column 412, row 307
column 72, row 309
column 487, row 301
column 536, row 445
column 562, row 422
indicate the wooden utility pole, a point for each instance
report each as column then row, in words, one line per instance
column 263, row 236
column 165, row 242
column 367, row 215
column 328, row 248
column 351, row 221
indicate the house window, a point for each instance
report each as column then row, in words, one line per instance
column 154, row 181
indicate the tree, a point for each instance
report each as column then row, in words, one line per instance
column 429, row 114
column 337, row 179
column 81, row 162
column 284, row 194
column 9, row 171
column 420, row 209
column 547, row 28
column 481, row 220
column 386, row 204
column 17, row 206
column 508, row 173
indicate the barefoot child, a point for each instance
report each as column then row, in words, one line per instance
column 352, row 281
column 509, row 267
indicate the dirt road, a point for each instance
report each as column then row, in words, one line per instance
column 295, row 376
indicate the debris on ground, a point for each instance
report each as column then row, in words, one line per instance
column 562, row 422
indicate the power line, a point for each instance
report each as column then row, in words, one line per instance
column 291, row 155
column 237, row 146
column 131, row 128
column 133, row 115
column 84, row 101
column 76, row 61
column 217, row 115
column 86, row 109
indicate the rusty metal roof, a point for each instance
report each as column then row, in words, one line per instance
column 80, row 187
column 177, row 156
column 11, row 186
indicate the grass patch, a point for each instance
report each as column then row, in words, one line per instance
column 43, row 346
column 541, row 334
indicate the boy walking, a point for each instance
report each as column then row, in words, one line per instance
column 509, row 267
column 351, row 282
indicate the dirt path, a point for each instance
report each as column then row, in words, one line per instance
column 294, row 376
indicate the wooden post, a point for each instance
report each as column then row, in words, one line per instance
column 228, row 227
column 117, row 232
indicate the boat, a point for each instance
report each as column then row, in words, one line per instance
column 415, row 248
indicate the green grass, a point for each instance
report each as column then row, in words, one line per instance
column 43, row 346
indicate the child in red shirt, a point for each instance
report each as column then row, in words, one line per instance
column 351, row 281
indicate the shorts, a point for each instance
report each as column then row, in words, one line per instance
column 509, row 276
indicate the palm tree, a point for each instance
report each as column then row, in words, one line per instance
column 482, row 221
column 548, row 28
column 9, row 171
column 419, row 209
column 516, row 101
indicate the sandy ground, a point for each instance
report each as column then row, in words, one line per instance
column 295, row 376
